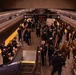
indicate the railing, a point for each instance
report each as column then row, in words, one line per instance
column 38, row 62
column 14, row 68
column 10, row 69
column 18, row 56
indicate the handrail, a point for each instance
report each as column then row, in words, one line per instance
column 19, row 63
column 15, row 56
column 10, row 69
column 35, row 65
column 18, row 68
column 20, row 58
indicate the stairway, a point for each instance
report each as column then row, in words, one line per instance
column 26, row 69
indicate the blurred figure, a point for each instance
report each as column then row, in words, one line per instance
column 64, row 50
column 5, row 55
column 10, row 47
column 2, row 46
column 19, row 34
column 74, row 35
column 68, row 32
column 29, row 37
column 43, row 49
column 57, row 63
column 50, row 53
column 59, row 37
column 14, row 43
column 74, row 51
column 50, row 41
column 38, row 30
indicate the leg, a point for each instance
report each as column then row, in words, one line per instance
column 42, row 58
column 59, row 72
column 53, row 71
column 68, row 55
column 49, row 60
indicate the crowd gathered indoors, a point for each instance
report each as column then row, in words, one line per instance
column 51, row 44
column 9, row 51
column 51, row 38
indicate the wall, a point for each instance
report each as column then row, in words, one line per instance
column 16, row 4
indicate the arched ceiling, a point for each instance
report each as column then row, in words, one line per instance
column 18, row 4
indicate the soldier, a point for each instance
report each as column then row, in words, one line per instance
column 29, row 36
column 5, row 55
column 68, row 31
column 14, row 43
column 64, row 50
column 10, row 47
column 43, row 49
column 50, row 41
column 19, row 34
column 2, row 47
column 38, row 30
column 57, row 63
column 74, row 35
column 50, row 53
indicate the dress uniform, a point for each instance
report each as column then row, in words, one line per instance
column 43, row 49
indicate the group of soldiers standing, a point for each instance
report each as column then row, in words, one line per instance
column 51, row 44
column 51, row 38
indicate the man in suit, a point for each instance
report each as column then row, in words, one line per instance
column 50, row 53
column 57, row 63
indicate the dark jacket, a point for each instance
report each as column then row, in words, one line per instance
column 57, row 62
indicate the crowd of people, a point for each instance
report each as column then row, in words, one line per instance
column 9, row 51
column 51, row 44
column 24, row 32
column 51, row 38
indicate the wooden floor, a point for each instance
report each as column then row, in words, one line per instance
column 46, row 70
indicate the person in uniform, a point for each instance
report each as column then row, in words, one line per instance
column 5, row 55
column 50, row 53
column 57, row 63
column 74, row 35
column 19, row 34
column 43, row 49
column 14, row 43
column 38, row 30
column 2, row 47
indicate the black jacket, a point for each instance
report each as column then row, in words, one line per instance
column 57, row 62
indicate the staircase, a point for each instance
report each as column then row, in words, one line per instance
column 26, row 69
